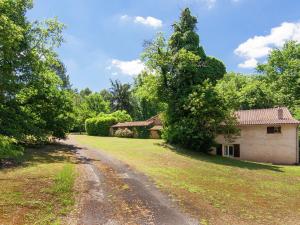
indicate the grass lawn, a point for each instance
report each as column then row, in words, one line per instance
column 40, row 190
column 214, row 189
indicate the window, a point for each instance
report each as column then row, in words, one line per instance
column 273, row 130
column 232, row 150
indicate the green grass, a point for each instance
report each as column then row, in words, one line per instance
column 215, row 189
column 40, row 190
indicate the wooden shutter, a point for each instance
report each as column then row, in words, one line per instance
column 236, row 150
column 219, row 150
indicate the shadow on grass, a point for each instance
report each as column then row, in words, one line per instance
column 50, row 153
column 221, row 160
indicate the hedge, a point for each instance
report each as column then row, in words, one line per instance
column 99, row 126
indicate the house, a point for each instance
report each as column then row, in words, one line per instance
column 149, row 128
column 266, row 135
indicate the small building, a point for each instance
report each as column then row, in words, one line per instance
column 266, row 135
column 150, row 128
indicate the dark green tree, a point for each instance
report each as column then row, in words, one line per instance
column 121, row 96
column 187, row 77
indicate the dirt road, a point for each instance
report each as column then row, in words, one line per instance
column 111, row 193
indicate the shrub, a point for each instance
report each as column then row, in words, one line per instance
column 9, row 148
column 142, row 132
column 125, row 133
column 99, row 126
column 120, row 115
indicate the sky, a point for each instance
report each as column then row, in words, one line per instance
column 104, row 39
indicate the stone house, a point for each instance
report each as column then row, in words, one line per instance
column 150, row 128
column 266, row 135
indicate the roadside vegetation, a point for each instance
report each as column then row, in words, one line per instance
column 40, row 190
column 215, row 190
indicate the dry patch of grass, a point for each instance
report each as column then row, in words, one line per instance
column 40, row 190
column 214, row 189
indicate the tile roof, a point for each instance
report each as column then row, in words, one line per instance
column 134, row 124
column 265, row 116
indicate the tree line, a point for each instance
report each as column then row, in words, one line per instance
column 191, row 90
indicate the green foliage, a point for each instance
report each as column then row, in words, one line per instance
column 197, row 130
column 141, row 132
column 282, row 74
column 88, row 105
column 34, row 98
column 246, row 92
column 121, row 116
column 186, row 79
column 147, row 103
column 124, row 133
column 121, row 97
column 9, row 148
column 99, row 126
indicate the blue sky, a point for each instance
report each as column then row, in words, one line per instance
column 104, row 39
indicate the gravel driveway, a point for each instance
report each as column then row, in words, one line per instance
column 111, row 193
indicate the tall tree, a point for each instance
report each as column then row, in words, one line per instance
column 282, row 72
column 121, row 96
column 187, row 78
column 33, row 100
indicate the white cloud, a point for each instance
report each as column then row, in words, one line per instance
column 250, row 63
column 258, row 47
column 131, row 68
column 147, row 21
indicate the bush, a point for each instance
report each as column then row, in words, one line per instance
column 99, row 126
column 9, row 148
column 120, row 115
column 142, row 132
column 124, row 133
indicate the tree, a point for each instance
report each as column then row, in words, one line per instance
column 121, row 96
column 96, row 103
column 106, row 95
column 246, row 92
column 282, row 73
column 34, row 103
column 145, row 93
column 88, row 105
column 85, row 92
column 186, row 84
column 61, row 71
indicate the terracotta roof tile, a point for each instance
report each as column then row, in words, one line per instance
column 134, row 124
column 265, row 116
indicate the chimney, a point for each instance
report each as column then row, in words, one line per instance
column 280, row 113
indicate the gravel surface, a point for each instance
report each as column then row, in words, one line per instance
column 111, row 193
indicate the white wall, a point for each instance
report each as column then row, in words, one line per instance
column 257, row 145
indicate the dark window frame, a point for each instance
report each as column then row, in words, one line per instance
column 274, row 130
